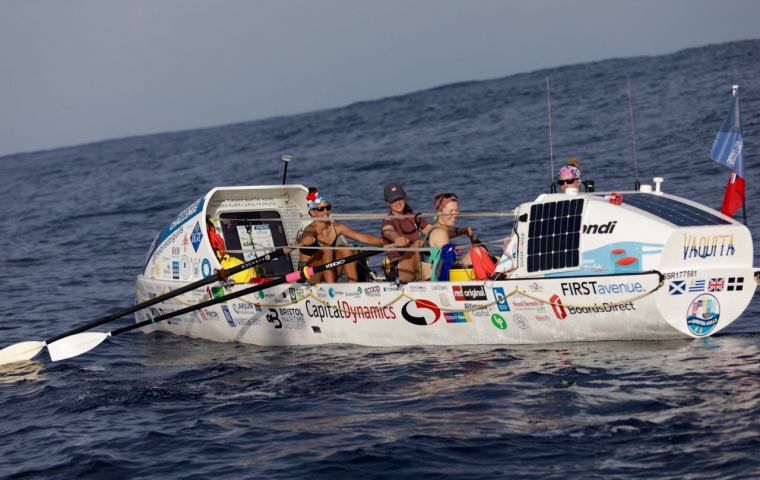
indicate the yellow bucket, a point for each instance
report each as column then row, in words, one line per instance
column 461, row 274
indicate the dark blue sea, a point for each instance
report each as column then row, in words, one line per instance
column 78, row 222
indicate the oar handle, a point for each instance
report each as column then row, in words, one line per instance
column 289, row 278
column 221, row 275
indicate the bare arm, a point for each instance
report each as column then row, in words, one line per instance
column 342, row 229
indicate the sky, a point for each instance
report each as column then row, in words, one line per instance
column 79, row 71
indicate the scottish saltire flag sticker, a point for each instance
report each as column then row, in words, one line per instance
column 677, row 287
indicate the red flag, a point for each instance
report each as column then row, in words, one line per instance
column 734, row 197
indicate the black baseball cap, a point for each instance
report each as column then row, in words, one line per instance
column 394, row 191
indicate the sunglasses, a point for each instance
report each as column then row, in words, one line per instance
column 322, row 209
column 568, row 181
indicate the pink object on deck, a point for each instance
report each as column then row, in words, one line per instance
column 293, row 277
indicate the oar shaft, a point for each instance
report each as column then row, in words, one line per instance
column 161, row 298
column 290, row 278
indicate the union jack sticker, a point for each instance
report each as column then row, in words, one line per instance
column 716, row 285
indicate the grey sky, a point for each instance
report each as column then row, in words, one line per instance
column 81, row 71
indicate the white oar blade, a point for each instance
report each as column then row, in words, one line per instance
column 74, row 345
column 20, row 352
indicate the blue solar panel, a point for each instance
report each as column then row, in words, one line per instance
column 673, row 211
column 554, row 233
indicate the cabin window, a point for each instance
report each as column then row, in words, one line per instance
column 251, row 234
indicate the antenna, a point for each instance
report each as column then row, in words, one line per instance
column 553, row 187
column 637, row 184
column 286, row 159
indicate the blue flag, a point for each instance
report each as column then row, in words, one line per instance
column 727, row 147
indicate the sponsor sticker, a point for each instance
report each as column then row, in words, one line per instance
column 501, row 299
column 559, row 310
column 520, row 321
column 455, row 317
column 498, row 321
column 206, row 268
column 469, row 292
column 703, row 314
column 196, row 236
column 421, row 312
column 228, row 315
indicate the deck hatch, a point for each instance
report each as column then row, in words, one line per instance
column 554, row 233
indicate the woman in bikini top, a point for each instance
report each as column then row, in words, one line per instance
column 323, row 232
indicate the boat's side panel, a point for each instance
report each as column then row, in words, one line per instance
column 619, row 307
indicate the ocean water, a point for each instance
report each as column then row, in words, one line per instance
column 78, row 222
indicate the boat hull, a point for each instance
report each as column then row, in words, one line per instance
column 641, row 306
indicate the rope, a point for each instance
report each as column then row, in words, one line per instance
column 404, row 294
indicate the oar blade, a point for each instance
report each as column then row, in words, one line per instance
column 20, row 352
column 74, row 345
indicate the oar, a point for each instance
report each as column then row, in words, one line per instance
column 78, row 344
column 27, row 350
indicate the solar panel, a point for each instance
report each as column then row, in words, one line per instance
column 554, row 235
column 673, row 211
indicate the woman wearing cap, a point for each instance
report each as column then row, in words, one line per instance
column 403, row 232
column 570, row 175
column 446, row 206
column 326, row 233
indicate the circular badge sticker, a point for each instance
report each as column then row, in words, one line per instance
column 703, row 314
column 498, row 321
column 206, row 268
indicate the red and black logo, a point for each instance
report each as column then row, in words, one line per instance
column 421, row 312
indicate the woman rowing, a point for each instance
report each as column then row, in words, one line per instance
column 446, row 206
column 321, row 241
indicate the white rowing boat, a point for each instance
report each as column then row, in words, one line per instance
column 583, row 267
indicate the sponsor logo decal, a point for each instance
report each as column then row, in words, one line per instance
column 331, row 292
column 677, row 287
column 455, row 317
column 520, row 321
column 703, row 314
column 196, row 266
column 175, row 269
column 557, row 307
column 606, row 228
column 498, row 321
column 196, row 236
column 420, row 312
column 228, row 315
column 706, row 246
column 535, row 287
column 598, row 288
column 206, row 268
column 468, row 292
column 184, row 267
column 373, row 291
column 343, row 309
column 501, row 299
column 603, row 308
